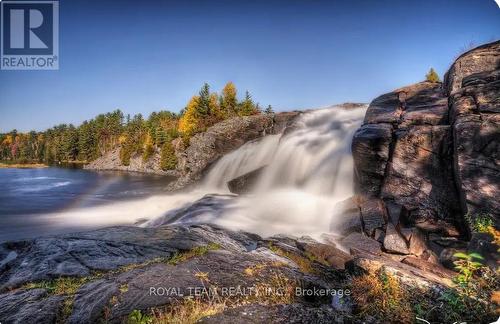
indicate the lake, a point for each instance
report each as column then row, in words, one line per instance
column 29, row 196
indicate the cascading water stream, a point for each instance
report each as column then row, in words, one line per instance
column 306, row 172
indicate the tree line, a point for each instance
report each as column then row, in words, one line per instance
column 133, row 134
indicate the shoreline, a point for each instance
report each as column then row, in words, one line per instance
column 23, row 166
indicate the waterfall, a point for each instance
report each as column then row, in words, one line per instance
column 249, row 157
column 307, row 172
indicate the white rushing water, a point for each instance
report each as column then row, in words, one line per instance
column 306, row 172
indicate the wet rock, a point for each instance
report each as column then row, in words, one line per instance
column 284, row 120
column 359, row 242
column 29, row 306
column 108, row 249
column 346, row 218
column 207, row 147
column 245, row 183
column 394, row 242
column 204, row 210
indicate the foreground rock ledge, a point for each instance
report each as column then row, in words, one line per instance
column 106, row 274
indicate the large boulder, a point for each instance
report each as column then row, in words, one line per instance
column 246, row 182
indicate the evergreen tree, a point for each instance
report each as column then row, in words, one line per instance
column 204, row 100
column 247, row 106
column 269, row 110
column 432, row 76
column 168, row 160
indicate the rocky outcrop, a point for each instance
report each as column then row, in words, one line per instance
column 431, row 149
column 481, row 59
column 475, row 114
column 207, row 147
column 403, row 153
column 111, row 162
column 109, row 273
column 106, row 274
column 246, row 182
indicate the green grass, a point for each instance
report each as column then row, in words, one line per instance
column 194, row 252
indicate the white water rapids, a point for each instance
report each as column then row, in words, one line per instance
column 307, row 171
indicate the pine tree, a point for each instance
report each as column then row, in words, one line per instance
column 432, row 76
column 247, row 106
column 204, row 100
column 269, row 110
column 168, row 160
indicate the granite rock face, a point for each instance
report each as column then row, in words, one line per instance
column 412, row 166
column 433, row 149
column 481, row 59
column 475, row 111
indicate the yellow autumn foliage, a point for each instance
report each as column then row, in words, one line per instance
column 189, row 122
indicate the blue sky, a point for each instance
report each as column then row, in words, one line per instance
column 143, row 56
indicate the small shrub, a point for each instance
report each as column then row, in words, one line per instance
column 432, row 76
column 168, row 160
column 136, row 317
column 381, row 295
column 467, row 265
column 481, row 223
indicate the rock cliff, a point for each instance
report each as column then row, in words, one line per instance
column 432, row 149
